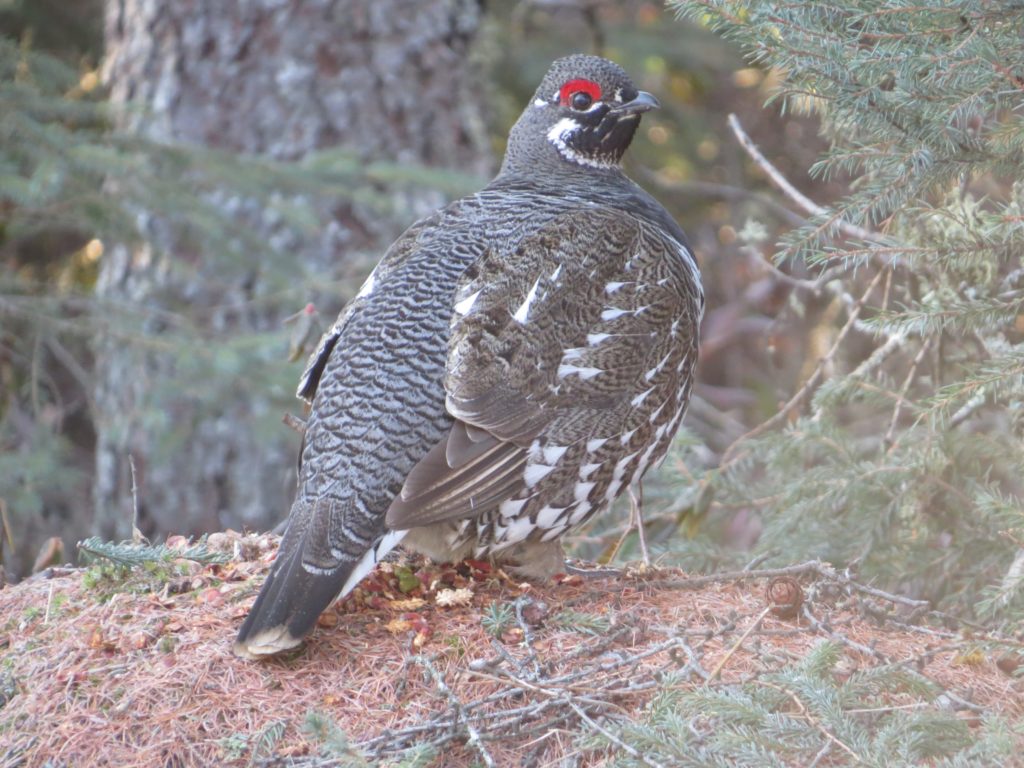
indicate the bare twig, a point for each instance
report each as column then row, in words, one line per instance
column 524, row 625
column 292, row 421
column 636, row 506
column 815, row 286
column 137, row 537
column 839, row 637
column 792, row 192
column 49, row 604
column 816, row 567
column 627, row 748
column 723, row 191
column 729, row 456
column 811, row 719
column 737, row 644
column 902, row 395
column 456, row 705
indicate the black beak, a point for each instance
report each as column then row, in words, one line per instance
column 644, row 102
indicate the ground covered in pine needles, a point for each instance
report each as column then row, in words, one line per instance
column 130, row 665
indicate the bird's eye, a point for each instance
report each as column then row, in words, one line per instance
column 581, row 100
column 579, row 94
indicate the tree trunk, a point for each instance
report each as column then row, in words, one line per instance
column 387, row 79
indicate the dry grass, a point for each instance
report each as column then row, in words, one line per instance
column 97, row 674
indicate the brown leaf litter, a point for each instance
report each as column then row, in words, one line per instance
column 461, row 657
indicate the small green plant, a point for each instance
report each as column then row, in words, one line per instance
column 420, row 756
column 266, row 740
column 235, row 746
column 576, row 621
column 457, row 644
column 333, row 741
column 497, row 618
column 32, row 613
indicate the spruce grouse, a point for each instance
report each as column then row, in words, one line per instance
column 513, row 363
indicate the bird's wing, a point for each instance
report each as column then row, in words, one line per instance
column 548, row 344
column 401, row 250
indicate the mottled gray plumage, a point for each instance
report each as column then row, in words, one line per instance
column 511, row 365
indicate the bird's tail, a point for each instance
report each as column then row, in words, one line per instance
column 297, row 591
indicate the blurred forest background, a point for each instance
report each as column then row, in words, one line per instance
column 189, row 194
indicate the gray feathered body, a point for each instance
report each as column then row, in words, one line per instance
column 510, row 366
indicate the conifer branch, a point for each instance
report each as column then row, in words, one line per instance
column 902, row 395
column 811, row 719
column 792, row 192
column 631, row 751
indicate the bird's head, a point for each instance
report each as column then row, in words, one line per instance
column 584, row 113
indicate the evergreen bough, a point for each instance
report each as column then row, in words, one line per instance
column 905, row 451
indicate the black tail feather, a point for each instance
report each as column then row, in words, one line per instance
column 289, row 603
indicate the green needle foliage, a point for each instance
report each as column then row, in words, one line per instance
column 497, row 618
column 904, row 451
column 808, row 714
column 133, row 555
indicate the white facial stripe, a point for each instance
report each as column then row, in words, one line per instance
column 557, row 136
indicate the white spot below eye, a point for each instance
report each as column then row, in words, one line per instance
column 558, row 134
column 540, row 103
column 467, row 303
column 561, row 129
